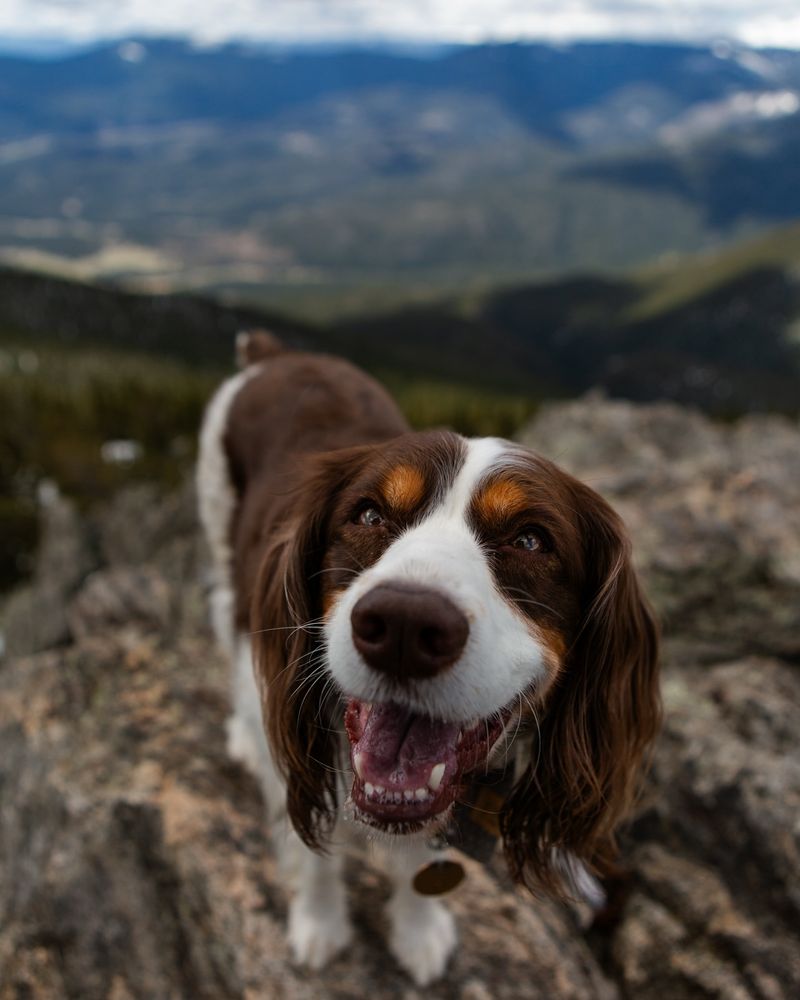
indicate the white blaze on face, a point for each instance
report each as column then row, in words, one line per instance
column 501, row 657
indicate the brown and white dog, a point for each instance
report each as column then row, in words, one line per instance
column 402, row 609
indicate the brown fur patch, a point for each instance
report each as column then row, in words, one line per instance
column 330, row 599
column 554, row 647
column 404, row 488
column 501, row 499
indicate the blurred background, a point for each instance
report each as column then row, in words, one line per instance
column 577, row 223
column 487, row 204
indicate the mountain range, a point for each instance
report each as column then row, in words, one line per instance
column 327, row 180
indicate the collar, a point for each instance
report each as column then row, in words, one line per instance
column 474, row 830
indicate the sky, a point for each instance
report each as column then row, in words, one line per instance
column 753, row 22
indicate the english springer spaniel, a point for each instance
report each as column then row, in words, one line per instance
column 407, row 612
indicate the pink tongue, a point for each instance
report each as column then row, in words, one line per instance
column 399, row 748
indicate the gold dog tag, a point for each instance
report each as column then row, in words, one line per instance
column 474, row 830
column 438, row 877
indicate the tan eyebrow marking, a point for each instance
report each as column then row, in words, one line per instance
column 404, row 488
column 500, row 499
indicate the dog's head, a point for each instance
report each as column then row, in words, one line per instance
column 447, row 598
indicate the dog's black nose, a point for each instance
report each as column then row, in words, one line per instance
column 408, row 631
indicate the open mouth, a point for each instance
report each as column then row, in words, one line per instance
column 408, row 768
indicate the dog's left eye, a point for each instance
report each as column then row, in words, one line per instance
column 370, row 517
column 531, row 541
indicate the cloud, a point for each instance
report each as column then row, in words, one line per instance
column 756, row 22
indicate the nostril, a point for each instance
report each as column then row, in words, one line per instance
column 433, row 640
column 442, row 642
column 370, row 627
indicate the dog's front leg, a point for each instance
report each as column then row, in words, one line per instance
column 423, row 931
column 319, row 924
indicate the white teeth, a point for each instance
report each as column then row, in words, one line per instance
column 409, row 795
column 358, row 764
column 468, row 730
column 436, row 777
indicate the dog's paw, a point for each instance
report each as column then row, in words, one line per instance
column 422, row 939
column 316, row 936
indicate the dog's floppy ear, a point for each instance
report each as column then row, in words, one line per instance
column 286, row 625
column 598, row 722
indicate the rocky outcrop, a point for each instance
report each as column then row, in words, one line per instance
column 133, row 855
column 714, row 855
column 714, row 510
column 35, row 616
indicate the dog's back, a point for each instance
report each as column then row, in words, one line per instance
column 259, row 430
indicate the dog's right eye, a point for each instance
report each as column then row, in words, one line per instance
column 370, row 517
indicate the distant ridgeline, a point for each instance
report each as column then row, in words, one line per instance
column 37, row 308
column 721, row 332
column 239, row 166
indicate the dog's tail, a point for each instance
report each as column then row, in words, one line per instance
column 253, row 346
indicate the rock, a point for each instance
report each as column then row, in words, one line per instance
column 66, row 553
column 134, row 860
column 142, row 525
column 141, row 522
column 715, row 854
column 123, row 597
column 714, row 510
column 34, row 617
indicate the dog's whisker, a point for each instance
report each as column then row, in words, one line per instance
column 510, row 742
column 523, row 598
column 535, row 715
column 319, row 671
column 306, row 626
column 336, row 569
column 312, row 670
column 312, row 667
column 328, row 767
column 327, row 692
column 473, row 808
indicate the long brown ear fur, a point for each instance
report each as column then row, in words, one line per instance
column 285, row 621
column 597, row 725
